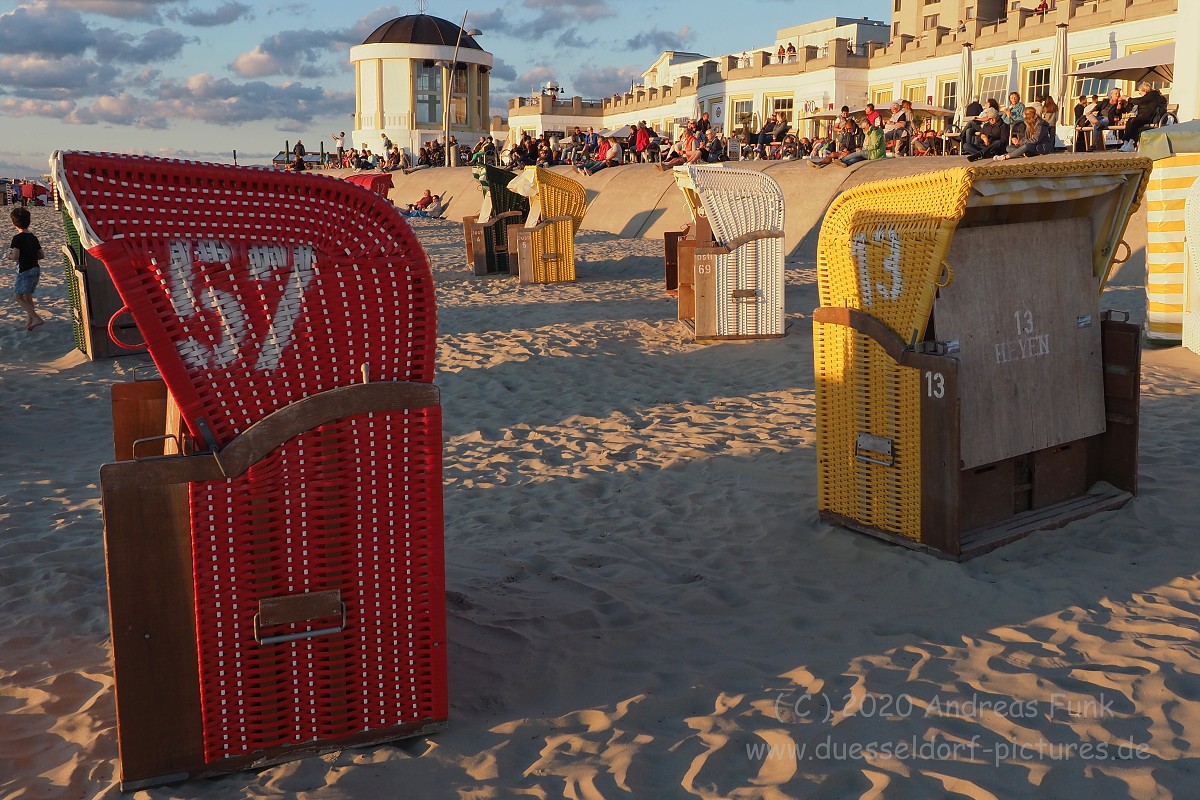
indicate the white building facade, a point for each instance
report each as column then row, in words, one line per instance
column 858, row 63
column 401, row 74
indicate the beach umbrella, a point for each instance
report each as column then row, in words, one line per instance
column 621, row 132
column 1059, row 67
column 966, row 83
column 1156, row 64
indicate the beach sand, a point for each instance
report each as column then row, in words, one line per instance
column 642, row 601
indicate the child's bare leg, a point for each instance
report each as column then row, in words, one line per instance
column 33, row 320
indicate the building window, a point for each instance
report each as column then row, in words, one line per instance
column 895, row 29
column 743, row 114
column 1090, row 86
column 428, row 94
column 949, row 95
column 1037, row 83
column 931, row 22
column 994, row 87
column 458, row 96
column 896, row 7
column 782, row 105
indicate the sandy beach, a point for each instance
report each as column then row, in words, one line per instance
column 642, row 601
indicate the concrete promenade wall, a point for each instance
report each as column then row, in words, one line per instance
column 638, row 201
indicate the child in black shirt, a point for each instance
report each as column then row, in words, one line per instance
column 26, row 250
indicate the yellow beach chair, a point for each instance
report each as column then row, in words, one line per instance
column 969, row 390
column 546, row 243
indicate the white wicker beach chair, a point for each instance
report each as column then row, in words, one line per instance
column 733, row 286
column 1191, row 298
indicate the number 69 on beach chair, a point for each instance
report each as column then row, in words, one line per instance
column 273, row 523
column 546, row 244
column 730, row 265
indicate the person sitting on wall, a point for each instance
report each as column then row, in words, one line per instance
column 897, row 130
column 713, row 149
column 791, row 53
column 765, row 134
column 873, row 148
column 990, row 140
column 686, row 151
column 1144, row 108
column 1030, row 137
column 926, row 143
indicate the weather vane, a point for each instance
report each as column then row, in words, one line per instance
column 422, row 5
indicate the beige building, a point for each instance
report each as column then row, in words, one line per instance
column 848, row 61
column 401, row 74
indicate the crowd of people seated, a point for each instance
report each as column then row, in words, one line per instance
column 990, row 130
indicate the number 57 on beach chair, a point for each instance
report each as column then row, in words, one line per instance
column 273, row 523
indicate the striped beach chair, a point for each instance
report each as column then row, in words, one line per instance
column 1170, row 182
column 278, row 589
column 730, row 267
column 967, row 395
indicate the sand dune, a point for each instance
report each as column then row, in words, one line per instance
column 642, row 602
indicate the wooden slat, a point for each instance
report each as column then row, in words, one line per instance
column 148, row 558
column 272, row 431
column 1118, row 446
column 139, row 410
column 1029, row 374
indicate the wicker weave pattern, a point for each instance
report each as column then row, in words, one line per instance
column 1191, row 307
column 886, row 262
column 371, row 529
column 738, row 202
column 562, row 203
column 1169, row 185
column 254, row 289
column 504, row 200
column 247, row 283
column 74, row 296
column 560, row 196
column 859, row 384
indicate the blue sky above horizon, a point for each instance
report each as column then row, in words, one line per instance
column 202, row 78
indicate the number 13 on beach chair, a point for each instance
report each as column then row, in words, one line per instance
column 273, row 522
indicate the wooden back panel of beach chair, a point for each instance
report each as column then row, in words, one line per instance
column 316, row 558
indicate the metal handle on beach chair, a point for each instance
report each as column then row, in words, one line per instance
column 299, row 608
column 112, row 334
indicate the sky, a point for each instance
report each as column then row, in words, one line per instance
column 200, row 79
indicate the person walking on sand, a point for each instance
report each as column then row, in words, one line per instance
column 26, row 250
